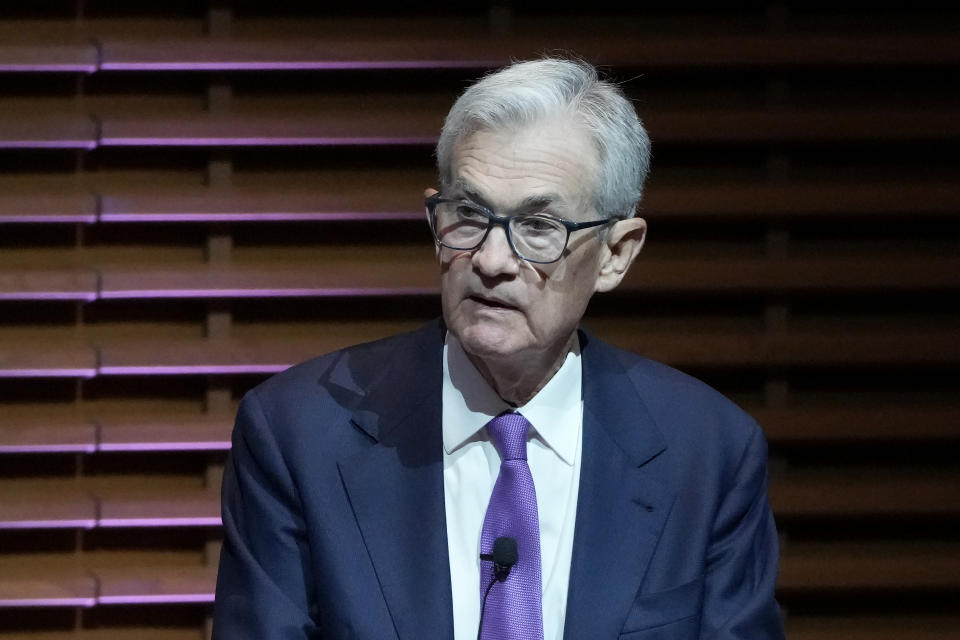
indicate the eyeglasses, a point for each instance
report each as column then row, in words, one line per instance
column 535, row 237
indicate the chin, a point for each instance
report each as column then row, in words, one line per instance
column 488, row 342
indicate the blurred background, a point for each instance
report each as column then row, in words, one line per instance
column 194, row 195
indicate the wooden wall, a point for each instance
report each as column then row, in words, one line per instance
column 195, row 195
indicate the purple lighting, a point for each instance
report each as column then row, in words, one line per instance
column 208, row 445
column 258, row 141
column 48, row 373
column 198, row 521
column 79, row 523
column 53, row 67
column 31, row 218
column 48, row 144
column 291, row 65
column 127, row 370
column 302, row 292
column 48, row 448
column 86, row 296
column 258, row 216
column 48, row 602
column 171, row 598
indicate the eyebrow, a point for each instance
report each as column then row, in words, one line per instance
column 530, row 203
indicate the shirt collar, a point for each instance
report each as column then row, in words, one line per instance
column 469, row 403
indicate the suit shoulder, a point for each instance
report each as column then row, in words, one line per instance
column 334, row 382
column 683, row 404
column 365, row 360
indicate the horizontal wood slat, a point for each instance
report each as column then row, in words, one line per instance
column 396, row 126
column 833, row 567
column 383, row 198
column 120, row 632
column 233, row 355
column 895, row 423
column 167, row 509
column 824, row 494
column 438, row 51
column 401, row 124
column 47, row 131
column 793, row 495
column 49, row 354
column 41, row 434
column 396, row 272
column 37, row 53
column 63, row 356
column 848, row 348
column 368, row 201
column 54, row 505
column 44, row 431
column 878, row 627
column 66, row 588
column 56, row 508
column 41, row 206
column 44, row 55
column 176, row 433
column 173, row 584
column 48, row 284
column 166, row 585
column 147, row 431
column 362, row 271
column 868, row 566
column 364, row 201
column 401, row 271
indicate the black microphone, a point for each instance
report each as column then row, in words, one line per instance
column 504, row 556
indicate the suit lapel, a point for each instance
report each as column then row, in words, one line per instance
column 621, row 505
column 396, row 491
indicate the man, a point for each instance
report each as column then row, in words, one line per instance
column 501, row 474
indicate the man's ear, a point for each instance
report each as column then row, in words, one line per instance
column 426, row 194
column 624, row 240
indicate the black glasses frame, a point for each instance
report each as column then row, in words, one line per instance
column 504, row 221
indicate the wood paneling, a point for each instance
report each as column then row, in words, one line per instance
column 194, row 197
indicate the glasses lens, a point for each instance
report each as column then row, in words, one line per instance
column 459, row 225
column 538, row 237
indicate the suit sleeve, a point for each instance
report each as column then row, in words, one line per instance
column 742, row 561
column 263, row 582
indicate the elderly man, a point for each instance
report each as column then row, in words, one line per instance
column 500, row 473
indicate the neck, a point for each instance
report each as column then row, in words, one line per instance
column 519, row 378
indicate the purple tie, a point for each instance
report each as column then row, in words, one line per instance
column 513, row 608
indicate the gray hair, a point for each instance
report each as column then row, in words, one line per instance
column 525, row 93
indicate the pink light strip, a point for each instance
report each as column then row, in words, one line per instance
column 211, row 445
column 192, row 369
column 49, row 448
column 310, row 65
column 50, row 295
column 199, row 521
column 48, row 373
column 48, row 602
column 48, row 144
column 67, row 67
column 127, row 294
column 41, row 218
column 84, row 523
column 264, row 141
column 157, row 599
column 288, row 216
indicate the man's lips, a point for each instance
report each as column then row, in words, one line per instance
column 491, row 302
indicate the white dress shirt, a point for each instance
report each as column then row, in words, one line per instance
column 471, row 465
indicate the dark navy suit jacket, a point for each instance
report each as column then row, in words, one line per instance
column 334, row 516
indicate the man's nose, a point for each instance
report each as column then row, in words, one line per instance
column 495, row 257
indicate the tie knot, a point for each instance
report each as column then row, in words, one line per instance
column 509, row 434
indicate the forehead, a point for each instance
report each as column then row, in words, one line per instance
column 554, row 158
